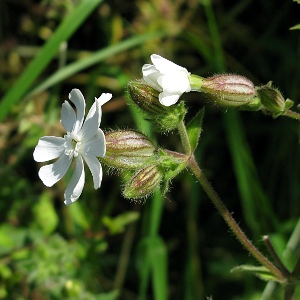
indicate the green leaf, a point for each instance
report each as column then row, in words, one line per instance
column 261, row 272
column 194, row 129
column 45, row 214
column 38, row 64
column 117, row 225
column 295, row 27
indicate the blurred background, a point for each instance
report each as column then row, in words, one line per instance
column 177, row 247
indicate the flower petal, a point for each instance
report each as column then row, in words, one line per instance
column 175, row 83
column 104, row 98
column 77, row 98
column 168, row 99
column 95, row 146
column 75, row 186
column 166, row 66
column 52, row 173
column 48, row 147
column 95, row 168
column 91, row 124
column 68, row 116
column 150, row 75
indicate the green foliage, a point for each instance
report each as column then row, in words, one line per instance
column 194, row 129
column 104, row 247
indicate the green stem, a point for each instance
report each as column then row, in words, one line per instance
column 292, row 114
column 184, row 138
column 231, row 222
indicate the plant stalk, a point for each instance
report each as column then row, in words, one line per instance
column 292, row 114
column 231, row 222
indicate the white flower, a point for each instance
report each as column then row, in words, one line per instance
column 84, row 140
column 168, row 78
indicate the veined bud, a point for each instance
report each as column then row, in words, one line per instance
column 128, row 149
column 146, row 97
column 165, row 118
column 143, row 183
column 229, row 89
column 272, row 100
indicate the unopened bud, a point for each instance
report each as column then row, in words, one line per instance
column 128, row 149
column 143, row 183
column 165, row 118
column 229, row 89
column 272, row 100
column 146, row 97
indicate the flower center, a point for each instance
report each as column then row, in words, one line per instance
column 72, row 145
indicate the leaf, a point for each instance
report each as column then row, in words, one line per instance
column 45, row 214
column 295, row 27
column 117, row 225
column 261, row 272
column 194, row 129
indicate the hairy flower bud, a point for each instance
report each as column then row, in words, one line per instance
column 146, row 97
column 229, row 89
column 272, row 100
column 165, row 118
column 127, row 149
column 143, row 183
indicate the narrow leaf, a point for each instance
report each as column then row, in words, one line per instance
column 194, row 129
column 260, row 271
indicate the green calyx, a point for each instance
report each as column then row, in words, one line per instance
column 128, row 149
column 273, row 101
column 165, row 118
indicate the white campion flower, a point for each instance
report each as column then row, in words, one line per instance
column 168, row 78
column 83, row 141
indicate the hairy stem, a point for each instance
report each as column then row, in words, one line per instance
column 184, row 138
column 292, row 114
column 231, row 222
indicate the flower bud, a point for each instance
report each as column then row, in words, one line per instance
column 229, row 89
column 143, row 183
column 146, row 97
column 127, row 149
column 165, row 118
column 272, row 100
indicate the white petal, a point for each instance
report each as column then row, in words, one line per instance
column 104, row 98
column 68, row 116
column 167, row 99
column 52, row 173
column 95, row 146
column 95, row 168
column 150, row 75
column 48, row 147
column 177, row 83
column 77, row 98
column 75, row 187
column 91, row 124
column 165, row 66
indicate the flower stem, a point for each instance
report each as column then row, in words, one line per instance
column 292, row 114
column 231, row 222
column 184, row 138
